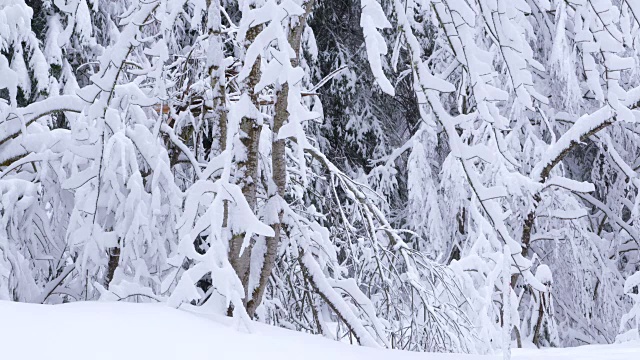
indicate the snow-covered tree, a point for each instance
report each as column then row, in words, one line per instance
column 429, row 175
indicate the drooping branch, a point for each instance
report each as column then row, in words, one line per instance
column 11, row 127
column 313, row 275
column 53, row 284
column 585, row 127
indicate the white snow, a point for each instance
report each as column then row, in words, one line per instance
column 543, row 274
column 372, row 19
column 137, row 174
column 126, row 331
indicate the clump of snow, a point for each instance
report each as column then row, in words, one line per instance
column 543, row 274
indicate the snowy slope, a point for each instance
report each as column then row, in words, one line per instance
column 124, row 331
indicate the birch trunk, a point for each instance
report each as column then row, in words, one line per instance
column 279, row 164
column 247, row 169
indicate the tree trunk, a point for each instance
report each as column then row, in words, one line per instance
column 247, row 170
column 279, row 167
column 114, row 259
column 215, row 59
column 538, row 326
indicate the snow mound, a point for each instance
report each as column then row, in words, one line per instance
column 125, row 331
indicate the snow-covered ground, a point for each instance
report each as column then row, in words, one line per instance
column 124, row 331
